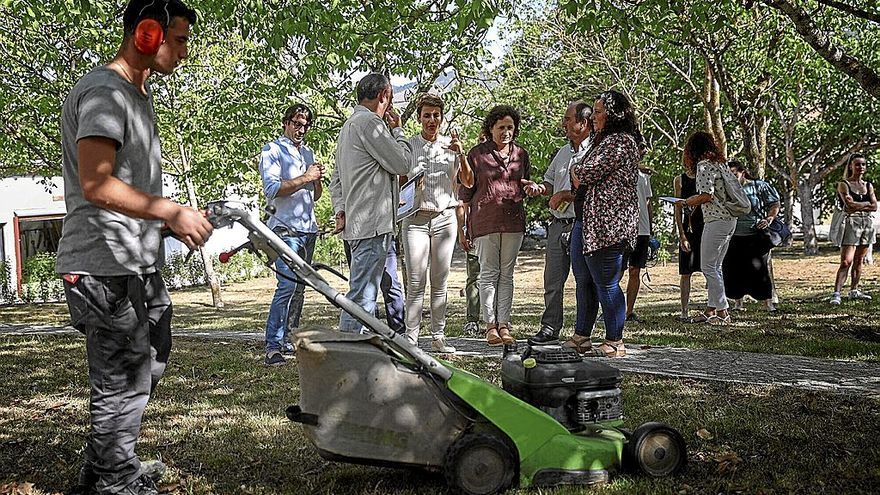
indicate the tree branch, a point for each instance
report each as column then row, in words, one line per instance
column 853, row 11
column 822, row 44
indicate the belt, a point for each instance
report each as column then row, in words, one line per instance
column 283, row 231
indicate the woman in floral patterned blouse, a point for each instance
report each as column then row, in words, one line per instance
column 607, row 176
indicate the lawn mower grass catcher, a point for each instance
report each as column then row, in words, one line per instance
column 376, row 399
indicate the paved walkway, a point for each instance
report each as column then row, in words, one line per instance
column 702, row 364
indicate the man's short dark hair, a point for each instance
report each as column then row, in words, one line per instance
column 161, row 10
column 297, row 109
column 369, row 87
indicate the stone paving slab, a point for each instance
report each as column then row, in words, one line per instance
column 808, row 373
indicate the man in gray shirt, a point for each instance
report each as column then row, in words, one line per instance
column 110, row 250
column 557, row 185
column 365, row 191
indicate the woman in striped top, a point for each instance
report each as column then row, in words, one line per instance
column 429, row 235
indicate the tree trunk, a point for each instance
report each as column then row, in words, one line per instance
column 788, row 197
column 210, row 277
column 712, row 110
column 808, row 227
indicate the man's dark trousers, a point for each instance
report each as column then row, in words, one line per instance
column 127, row 324
column 556, row 268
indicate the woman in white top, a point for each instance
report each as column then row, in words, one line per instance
column 430, row 234
column 711, row 164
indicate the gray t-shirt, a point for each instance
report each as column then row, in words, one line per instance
column 96, row 241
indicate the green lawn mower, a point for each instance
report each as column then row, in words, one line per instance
column 376, row 399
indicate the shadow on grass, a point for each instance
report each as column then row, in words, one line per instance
column 217, row 420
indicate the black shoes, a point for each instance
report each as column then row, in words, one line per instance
column 545, row 336
column 274, row 358
column 151, row 473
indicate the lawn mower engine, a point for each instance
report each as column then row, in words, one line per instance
column 577, row 392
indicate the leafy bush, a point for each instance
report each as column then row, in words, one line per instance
column 39, row 267
column 329, row 250
column 181, row 272
column 40, row 283
column 7, row 286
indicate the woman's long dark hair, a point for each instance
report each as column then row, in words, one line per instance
column 620, row 117
column 701, row 146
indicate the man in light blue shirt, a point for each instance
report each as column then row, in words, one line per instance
column 292, row 184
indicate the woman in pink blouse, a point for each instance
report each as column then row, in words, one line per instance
column 491, row 179
column 601, row 242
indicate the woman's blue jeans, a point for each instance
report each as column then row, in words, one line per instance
column 597, row 277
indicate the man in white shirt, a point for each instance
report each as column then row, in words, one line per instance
column 557, row 185
column 638, row 259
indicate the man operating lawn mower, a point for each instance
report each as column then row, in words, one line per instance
column 110, row 250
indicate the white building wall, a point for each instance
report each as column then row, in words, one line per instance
column 38, row 196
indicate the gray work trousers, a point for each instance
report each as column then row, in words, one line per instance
column 127, row 324
column 472, row 290
column 557, row 265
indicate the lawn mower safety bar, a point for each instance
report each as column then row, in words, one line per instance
column 225, row 213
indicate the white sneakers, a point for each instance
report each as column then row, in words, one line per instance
column 440, row 345
column 854, row 295
column 857, row 294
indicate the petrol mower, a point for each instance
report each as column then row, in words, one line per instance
column 375, row 398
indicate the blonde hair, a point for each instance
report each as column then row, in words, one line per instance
column 847, row 172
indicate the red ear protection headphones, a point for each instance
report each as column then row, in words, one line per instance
column 149, row 34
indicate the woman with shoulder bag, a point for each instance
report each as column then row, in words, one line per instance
column 859, row 201
column 746, row 266
column 711, row 196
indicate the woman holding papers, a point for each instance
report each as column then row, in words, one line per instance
column 492, row 179
column 430, row 233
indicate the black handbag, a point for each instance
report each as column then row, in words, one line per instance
column 778, row 234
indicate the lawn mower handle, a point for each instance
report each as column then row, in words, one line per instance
column 225, row 213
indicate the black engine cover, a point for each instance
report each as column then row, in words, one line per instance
column 559, row 373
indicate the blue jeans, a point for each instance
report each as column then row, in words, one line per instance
column 392, row 292
column 289, row 295
column 597, row 278
column 368, row 260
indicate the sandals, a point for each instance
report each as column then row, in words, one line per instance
column 493, row 337
column 700, row 318
column 579, row 343
column 504, row 333
column 717, row 320
column 713, row 319
column 610, row 349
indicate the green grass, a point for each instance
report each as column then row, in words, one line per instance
column 217, row 420
column 805, row 325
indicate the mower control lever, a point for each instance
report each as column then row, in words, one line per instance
column 225, row 256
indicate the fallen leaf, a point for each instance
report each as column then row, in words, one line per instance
column 705, row 434
column 169, row 488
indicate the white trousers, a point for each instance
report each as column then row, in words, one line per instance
column 429, row 240
column 713, row 248
column 497, row 253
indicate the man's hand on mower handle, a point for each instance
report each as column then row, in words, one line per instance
column 190, row 226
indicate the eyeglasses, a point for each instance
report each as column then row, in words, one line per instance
column 299, row 125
